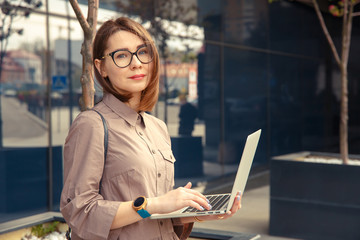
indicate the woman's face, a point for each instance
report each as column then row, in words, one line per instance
column 133, row 78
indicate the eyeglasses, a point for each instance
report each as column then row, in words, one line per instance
column 122, row 58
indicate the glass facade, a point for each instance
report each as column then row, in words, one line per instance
column 244, row 64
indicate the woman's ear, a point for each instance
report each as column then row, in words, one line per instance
column 98, row 67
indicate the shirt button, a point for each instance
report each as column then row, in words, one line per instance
column 68, row 200
column 159, row 174
column 161, row 223
column 140, row 133
column 170, row 156
column 153, row 151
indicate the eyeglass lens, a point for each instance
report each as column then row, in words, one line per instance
column 123, row 58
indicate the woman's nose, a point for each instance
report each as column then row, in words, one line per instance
column 135, row 63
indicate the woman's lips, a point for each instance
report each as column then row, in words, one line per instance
column 138, row 76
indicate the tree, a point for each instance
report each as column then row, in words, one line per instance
column 344, row 9
column 11, row 10
column 89, row 27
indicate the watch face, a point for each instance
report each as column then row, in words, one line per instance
column 139, row 201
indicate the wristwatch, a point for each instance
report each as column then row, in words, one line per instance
column 139, row 206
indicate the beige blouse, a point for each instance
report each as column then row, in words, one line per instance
column 139, row 163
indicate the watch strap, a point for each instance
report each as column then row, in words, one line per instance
column 143, row 213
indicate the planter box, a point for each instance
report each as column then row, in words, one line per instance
column 188, row 152
column 314, row 200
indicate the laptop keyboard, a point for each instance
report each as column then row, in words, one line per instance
column 216, row 201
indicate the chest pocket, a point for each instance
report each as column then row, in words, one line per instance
column 169, row 159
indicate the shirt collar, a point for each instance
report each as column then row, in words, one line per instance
column 123, row 110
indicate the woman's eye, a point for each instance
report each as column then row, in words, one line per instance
column 143, row 51
column 121, row 55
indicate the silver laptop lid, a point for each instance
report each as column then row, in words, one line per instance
column 245, row 165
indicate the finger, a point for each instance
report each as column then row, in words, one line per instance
column 237, row 203
column 222, row 216
column 200, row 201
column 196, row 196
column 240, row 198
column 194, row 204
column 194, row 192
column 188, row 185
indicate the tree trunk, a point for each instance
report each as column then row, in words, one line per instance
column 344, row 148
column 344, row 115
column 89, row 27
column 343, row 64
column 87, row 79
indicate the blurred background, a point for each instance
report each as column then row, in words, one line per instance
column 243, row 65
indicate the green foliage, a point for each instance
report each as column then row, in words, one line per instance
column 190, row 57
column 335, row 7
column 42, row 230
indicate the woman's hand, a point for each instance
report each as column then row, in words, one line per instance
column 235, row 207
column 177, row 199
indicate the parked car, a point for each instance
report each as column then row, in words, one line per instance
column 10, row 93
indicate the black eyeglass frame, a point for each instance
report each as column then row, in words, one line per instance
column 132, row 55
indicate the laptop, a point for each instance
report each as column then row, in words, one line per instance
column 221, row 203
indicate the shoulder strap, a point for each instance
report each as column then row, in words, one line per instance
column 106, row 137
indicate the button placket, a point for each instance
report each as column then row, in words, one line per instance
column 156, row 157
column 142, row 136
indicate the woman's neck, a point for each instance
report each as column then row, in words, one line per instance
column 134, row 102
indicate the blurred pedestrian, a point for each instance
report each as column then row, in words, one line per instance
column 187, row 116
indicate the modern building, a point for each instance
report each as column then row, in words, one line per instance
column 31, row 64
column 12, row 72
column 262, row 66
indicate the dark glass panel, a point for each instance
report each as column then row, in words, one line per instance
column 209, row 94
column 210, row 17
column 245, row 99
column 245, row 22
column 285, row 104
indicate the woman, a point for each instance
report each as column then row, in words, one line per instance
column 139, row 160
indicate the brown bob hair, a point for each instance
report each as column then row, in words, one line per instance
column 150, row 94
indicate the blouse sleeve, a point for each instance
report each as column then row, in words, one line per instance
column 83, row 208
